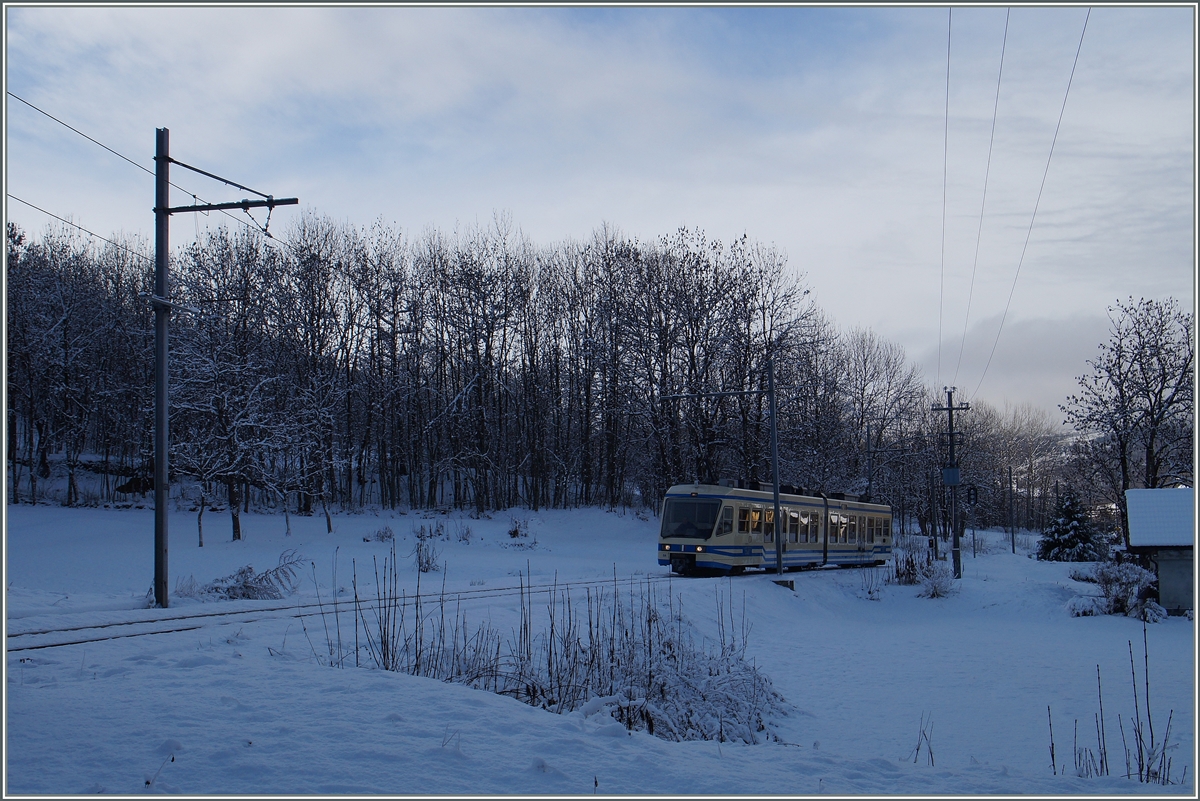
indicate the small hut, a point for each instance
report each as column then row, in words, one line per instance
column 1162, row 535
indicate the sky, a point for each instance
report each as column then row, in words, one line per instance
column 900, row 185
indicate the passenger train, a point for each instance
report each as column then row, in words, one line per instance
column 708, row 528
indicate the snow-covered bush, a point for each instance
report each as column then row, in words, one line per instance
column 273, row 584
column 1123, row 586
column 1085, row 574
column 384, row 534
column 1087, row 606
column 1123, row 591
column 1071, row 536
column 937, row 579
column 518, row 527
column 906, row 567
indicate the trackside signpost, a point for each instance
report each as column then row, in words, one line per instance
column 162, row 310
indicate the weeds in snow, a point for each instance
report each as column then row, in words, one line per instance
column 619, row 652
column 425, row 556
column 1148, row 758
column 273, row 584
column 925, row 736
column 433, row 532
column 150, row 781
column 872, row 586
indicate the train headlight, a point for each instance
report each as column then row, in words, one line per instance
column 699, row 549
column 664, row 546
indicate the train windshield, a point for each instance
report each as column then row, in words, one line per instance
column 686, row 517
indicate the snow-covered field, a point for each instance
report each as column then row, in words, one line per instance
column 245, row 704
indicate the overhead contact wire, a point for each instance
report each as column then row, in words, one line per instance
column 81, row 228
column 146, row 170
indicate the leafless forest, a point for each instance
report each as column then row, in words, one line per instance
column 333, row 366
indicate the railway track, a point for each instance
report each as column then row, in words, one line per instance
column 60, row 637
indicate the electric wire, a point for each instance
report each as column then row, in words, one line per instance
column 1033, row 217
column 81, row 133
column 983, row 204
column 945, row 164
column 151, row 172
column 81, row 228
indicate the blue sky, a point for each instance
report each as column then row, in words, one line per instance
column 818, row 130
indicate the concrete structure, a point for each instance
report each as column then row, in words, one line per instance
column 1162, row 535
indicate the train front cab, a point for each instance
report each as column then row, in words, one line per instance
column 698, row 535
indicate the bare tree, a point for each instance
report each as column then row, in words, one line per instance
column 1135, row 406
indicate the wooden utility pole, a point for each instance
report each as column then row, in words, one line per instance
column 162, row 310
column 951, row 477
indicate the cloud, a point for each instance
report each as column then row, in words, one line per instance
column 1036, row 360
column 819, row 130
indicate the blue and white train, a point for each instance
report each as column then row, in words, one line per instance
column 709, row 528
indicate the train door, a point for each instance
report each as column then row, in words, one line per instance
column 765, row 522
column 862, row 551
column 835, row 532
column 791, row 535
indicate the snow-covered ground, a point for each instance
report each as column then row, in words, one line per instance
column 245, row 703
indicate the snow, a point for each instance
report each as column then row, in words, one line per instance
column 243, row 703
column 1162, row 517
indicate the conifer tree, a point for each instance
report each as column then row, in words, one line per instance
column 1071, row 535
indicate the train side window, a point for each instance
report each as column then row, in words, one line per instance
column 794, row 526
column 872, row 522
column 768, row 525
column 756, row 521
column 743, row 519
column 852, row 529
column 727, row 520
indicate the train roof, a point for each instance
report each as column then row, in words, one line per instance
column 716, row 490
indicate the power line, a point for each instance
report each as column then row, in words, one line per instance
column 151, row 172
column 983, row 204
column 945, row 161
column 81, row 228
column 1029, row 232
column 85, row 136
